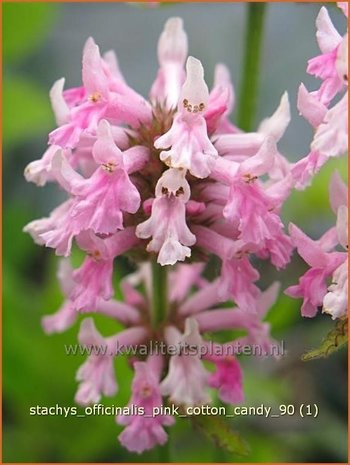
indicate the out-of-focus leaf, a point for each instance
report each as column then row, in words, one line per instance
column 312, row 202
column 219, row 431
column 26, row 110
column 334, row 340
column 25, row 26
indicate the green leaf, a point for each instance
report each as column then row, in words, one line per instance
column 25, row 26
column 218, row 431
column 335, row 339
column 308, row 205
column 26, row 110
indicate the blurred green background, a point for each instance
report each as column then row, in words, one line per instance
column 43, row 42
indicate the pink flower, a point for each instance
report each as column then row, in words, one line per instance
column 312, row 285
column 228, row 380
column 325, row 65
column 183, row 278
column 172, row 53
column 66, row 316
column 251, row 210
column 93, row 280
column 104, row 95
column 96, row 375
column 39, row 171
column 143, row 432
column 186, row 381
column 324, row 261
column 331, row 136
column 335, row 301
column 331, row 124
column 220, row 103
column 167, row 224
column 190, row 147
column 237, row 281
column 207, row 190
column 101, row 199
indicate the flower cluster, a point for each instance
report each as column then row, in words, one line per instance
column 330, row 122
column 325, row 261
column 330, row 139
column 168, row 180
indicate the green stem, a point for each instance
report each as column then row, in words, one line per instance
column 250, row 75
column 160, row 293
column 159, row 313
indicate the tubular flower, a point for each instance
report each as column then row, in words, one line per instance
column 169, row 182
column 325, row 262
column 330, row 123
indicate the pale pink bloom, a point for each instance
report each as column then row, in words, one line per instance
column 220, row 103
column 206, row 188
column 167, row 224
column 312, row 285
column 56, row 231
column 237, row 281
column 120, row 311
column 240, row 146
column 186, row 381
column 238, row 318
column 237, row 147
column 335, row 301
column 208, row 296
column 172, row 54
column 258, row 331
column 105, row 96
column 324, row 261
column 143, row 432
column 227, row 379
column 310, row 107
column 183, row 278
column 276, row 125
column 331, row 136
column 97, row 202
column 342, row 226
column 39, row 171
column 324, row 66
column 187, row 140
column 101, row 200
column 251, row 210
column 60, row 106
column 304, row 170
column 93, row 280
column 338, row 192
column 331, row 125
column 66, row 316
column 96, row 376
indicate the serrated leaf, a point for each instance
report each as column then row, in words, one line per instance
column 335, row 339
column 219, row 431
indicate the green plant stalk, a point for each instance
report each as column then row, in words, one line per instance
column 160, row 294
column 252, row 56
column 159, row 313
